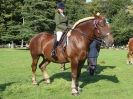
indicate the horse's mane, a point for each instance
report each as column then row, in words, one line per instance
column 82, row 20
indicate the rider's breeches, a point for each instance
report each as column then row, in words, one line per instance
column 59, row 34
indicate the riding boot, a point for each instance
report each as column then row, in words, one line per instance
column 53, row 53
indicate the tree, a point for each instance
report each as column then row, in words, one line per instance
column 116, row 12
column 38, row 15
column 10, row 17
column 21, row 19
column 122, row 30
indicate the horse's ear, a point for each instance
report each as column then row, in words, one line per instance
column 97, row 15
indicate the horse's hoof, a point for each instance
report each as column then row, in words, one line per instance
column 79, row 89
column 47, row 82
column 75, row 94
column 129, row 63
column 34, row 83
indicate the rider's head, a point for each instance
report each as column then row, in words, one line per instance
column 60, row 6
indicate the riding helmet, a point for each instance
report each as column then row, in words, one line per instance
column 60, row 5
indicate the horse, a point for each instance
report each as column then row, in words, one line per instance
column 130, row 51
column 75, row 52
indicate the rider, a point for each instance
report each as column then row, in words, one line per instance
column 61, row 24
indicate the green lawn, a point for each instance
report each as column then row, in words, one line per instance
column 113, row 78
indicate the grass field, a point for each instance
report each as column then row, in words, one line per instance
column 113, row 78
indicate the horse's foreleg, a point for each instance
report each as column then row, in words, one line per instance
column 80, row 65
column 74, row 68
column 34, row 66
column 42, row 66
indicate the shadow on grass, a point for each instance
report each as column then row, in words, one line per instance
column 87, row 79
column 96, row 78
column 3, row 86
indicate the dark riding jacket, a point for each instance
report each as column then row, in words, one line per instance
column 61, row 22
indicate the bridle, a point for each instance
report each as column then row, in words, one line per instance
column 97, row 29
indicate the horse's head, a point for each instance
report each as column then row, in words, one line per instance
column 103, row 30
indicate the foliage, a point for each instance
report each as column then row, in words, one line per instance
column 122, row 30
column 21, row 19
column 73, row 11
column 119, row 13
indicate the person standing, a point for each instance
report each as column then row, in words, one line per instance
column 92, row 56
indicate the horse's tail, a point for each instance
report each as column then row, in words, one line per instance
column 28, row 43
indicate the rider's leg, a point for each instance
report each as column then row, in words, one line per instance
column 57, row 39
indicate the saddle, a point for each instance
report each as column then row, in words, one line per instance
column 63, row 40
column 62, row 44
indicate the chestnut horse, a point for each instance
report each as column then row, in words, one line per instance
column 75, row 52
column 130, row 51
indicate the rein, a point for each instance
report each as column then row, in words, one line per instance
column 96, row 29
column 95, row 23
column 82, row 33
column 99, row 40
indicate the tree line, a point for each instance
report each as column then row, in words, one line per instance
column 21, row 19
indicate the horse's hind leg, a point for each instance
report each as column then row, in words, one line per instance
column 34, row 66
column 43, row 66
column 132, row 59
column 129, row 58
column 80, row 65
column 63, row 66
